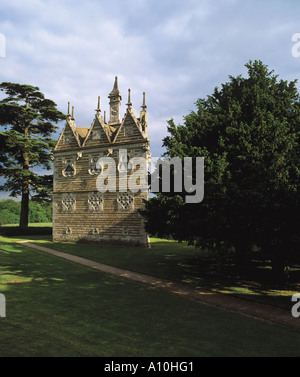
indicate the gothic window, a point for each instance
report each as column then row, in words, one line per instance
column 68, row 202
column 125, row 201
column 69, row 171
column 95, row 201
column 95, row 167
column 124, row 164
column 69, row 167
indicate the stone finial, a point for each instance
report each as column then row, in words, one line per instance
column 115, row 102
column 144, row 107
column 73, row 113
column 98, row 107
column 115, row 91
column 116, row 83
column 129, row 104
column 69, row 114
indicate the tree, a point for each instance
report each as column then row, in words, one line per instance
column 29, row 120
column 39, row 211
column 248, row 133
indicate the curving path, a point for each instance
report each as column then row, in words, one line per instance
column 222, row 301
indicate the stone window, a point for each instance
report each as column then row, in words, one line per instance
column 95, row 201
column 69, row 171
column 95, row 167
column 124, row 164
column 68, row 202
column 125, row 201
column 69, row 167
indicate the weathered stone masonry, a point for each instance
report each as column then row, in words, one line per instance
column 80, row 212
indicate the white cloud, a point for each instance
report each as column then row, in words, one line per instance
column 175, row 51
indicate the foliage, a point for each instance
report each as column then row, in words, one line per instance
column 29, row 121
column 248, row 134
column 39, row 211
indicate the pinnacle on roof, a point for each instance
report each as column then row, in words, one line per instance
column 115, row 91
column 144, row 107
column 98, row 108
column 129, row 104
column 69, row 114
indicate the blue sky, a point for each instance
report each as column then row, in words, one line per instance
column 176, row 51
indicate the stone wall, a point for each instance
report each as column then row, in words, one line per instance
column 80, row 211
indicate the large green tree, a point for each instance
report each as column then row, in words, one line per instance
column 248, row 133
column 27, row 121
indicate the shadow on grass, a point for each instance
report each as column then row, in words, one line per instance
column 184, row 264
column 59, row 308
column 15, row 231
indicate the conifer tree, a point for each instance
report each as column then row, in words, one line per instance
column 248, row 132
column 27, row 121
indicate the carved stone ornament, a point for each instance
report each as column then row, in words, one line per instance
column 68, row 202
column 95, row 231
column 95, row 201
column 125, row 166
column 68, row 231
column 69, row 169
column 96, row 135
column 125, row 201
column 95, row 168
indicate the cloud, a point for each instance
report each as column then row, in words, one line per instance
column 176, row 51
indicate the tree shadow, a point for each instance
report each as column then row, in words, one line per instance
column 253, row 280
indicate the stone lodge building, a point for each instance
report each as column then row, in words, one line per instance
column 80, row 211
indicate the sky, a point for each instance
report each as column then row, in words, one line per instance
column 176, row 51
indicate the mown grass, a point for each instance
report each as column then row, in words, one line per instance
column 58, row 308
column 35, row 225
column 185, row 264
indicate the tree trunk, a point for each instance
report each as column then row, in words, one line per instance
column 25, row 184
column 25, row 197
column 24, row 206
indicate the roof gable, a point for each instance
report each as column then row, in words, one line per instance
column 68, row 138
column 99, row 133
column 129, row 130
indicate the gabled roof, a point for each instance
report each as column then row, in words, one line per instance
column 134, row 129
column 82, row 133
column 105, row 128
column 70, row 125
column 134, row 123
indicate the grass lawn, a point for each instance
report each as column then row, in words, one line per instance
column 30, row 225
column 57, row 308
column 185, row 264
